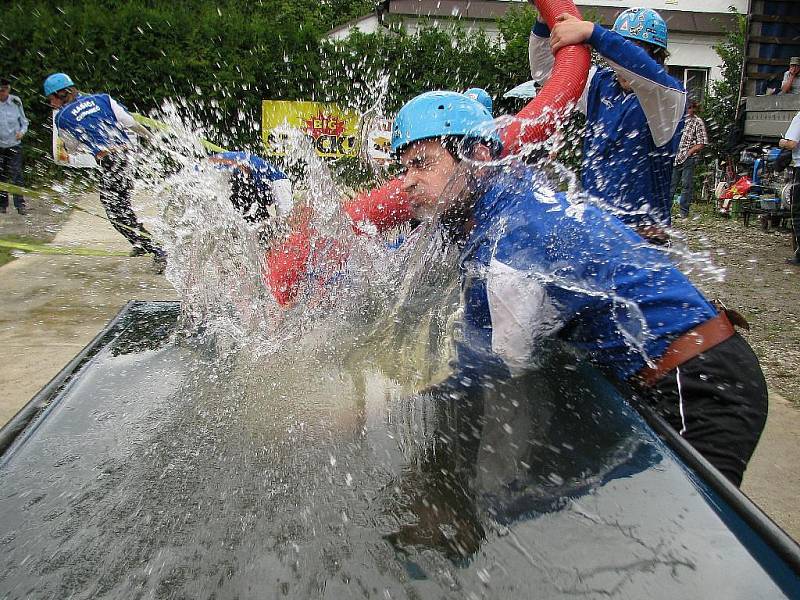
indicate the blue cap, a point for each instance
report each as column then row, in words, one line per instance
column 437, row 114
column 643, row 25
column 57, row 82
column 482, row 96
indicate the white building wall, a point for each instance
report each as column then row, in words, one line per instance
column 686, row 49
column 368, row 24
column 689, row 50
column 412, row 24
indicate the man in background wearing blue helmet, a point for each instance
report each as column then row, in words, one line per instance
column 100, row 125
column 257, row 186
column 534, row 267
column 482, row 96
column 634, row 112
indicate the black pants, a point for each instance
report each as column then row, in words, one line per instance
column 115, row 194
column 796, row 212
column 248, row 199
column 717, row 402
column 11, row 172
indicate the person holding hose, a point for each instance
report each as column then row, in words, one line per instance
column 535, row 267
column 634, row 112
column 100, row 125
column 371, row 212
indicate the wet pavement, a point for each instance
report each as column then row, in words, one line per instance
column 52, row 306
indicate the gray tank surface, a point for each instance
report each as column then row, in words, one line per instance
column 158, row 470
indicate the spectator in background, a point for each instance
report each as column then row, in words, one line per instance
column 13, row 127
column 791, row 141
column 791, row 81
column 693, row 140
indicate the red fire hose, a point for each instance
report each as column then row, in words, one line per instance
column 384, row 207
column 537, row 121
column 388, row 206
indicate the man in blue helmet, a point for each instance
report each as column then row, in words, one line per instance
column 536, row 267
column 634, row 112
column 100, row 125
column 482, row 96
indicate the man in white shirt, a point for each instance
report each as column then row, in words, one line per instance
column 13, row 127
column 791, row 141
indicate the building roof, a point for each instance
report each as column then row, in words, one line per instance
column 695, row 21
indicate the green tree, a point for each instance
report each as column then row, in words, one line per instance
column 219, row 59
column 719, row 111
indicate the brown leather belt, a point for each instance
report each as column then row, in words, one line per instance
column 700, row 339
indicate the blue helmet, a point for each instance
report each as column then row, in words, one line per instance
column 643, row 25
column 482, row 96
column 57, row 82
column 437, row 114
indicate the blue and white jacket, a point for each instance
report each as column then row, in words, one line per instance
column 536, row 267
column 268, row 179
column 631, row 137
column 96, row 122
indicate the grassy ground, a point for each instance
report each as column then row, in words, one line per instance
column 759, row 284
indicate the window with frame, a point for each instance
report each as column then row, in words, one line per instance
column 694, row 79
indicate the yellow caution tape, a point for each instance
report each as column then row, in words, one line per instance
column 20, row 191
column 46, row 249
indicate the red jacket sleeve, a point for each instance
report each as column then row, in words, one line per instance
column 384, row 207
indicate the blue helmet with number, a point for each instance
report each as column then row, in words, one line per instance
column 643, row 25
column 438, row 114
column 482, row 96
column 57, row 82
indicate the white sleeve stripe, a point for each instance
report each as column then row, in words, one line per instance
column 540, row 57
column 663, row 105
column 521, row 313
column 123, row 116
column 282, row 190
column 583, row 101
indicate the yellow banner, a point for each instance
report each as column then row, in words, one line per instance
column 334, row 131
